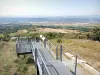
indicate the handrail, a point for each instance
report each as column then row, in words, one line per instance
column 43, row 62
column 49, row 63
column 43, row 58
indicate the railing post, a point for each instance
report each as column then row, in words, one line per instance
column 75, row 64
column 49, row 45
column 42, row 69
column 16, row 46
column 18, row 55
column 31, row 44
column 57, row 52
column 61, row 52
column 37, row 70
column 36, row 55
column 45, row 43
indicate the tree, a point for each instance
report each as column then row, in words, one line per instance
column 95, row 34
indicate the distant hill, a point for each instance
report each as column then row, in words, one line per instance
column 69, row 19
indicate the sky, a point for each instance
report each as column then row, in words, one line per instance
column 41, row 8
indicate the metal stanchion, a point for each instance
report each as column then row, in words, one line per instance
column 36, row 55
column 61, row 52
column 57, row 53
column 45, row 43
column 75, row 64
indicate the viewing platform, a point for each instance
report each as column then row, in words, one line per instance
column 45, row 63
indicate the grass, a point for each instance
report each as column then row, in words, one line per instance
column 87, row 49
column 10, row 64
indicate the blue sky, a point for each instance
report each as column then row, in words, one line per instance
column 41, row 8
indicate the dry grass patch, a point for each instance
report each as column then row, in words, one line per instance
column 10, row 64
column 56, row 30
column 87, row 49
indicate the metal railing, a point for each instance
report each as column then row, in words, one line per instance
column 68, row 55
column 80, row 61
column 39, row 57
column 44, row 64
column 45, row 70
column 48, row 63
column 60, row 52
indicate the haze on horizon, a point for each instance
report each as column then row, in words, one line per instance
column 41, row 8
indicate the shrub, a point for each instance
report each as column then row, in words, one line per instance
column 6, row 37
column 59, row 40
column 95, row 35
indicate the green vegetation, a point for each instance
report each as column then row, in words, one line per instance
column 59, row 40
column 13, row 28
column 95, row 34
column 51, row 35
column 86, row 32
column 72, row 27
column 1, row 36
column 77, row 42
column 4, row 37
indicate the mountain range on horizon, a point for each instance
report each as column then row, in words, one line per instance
column 68, row 19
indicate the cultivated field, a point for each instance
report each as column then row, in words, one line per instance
column 45, row 30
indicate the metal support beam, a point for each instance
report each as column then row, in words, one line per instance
column 57, row 53
column 37, row 70
column 36, row 56
column 18, row 55
column 75, row 64
column 42, row 68
column 61, row 52
column 45, row 43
